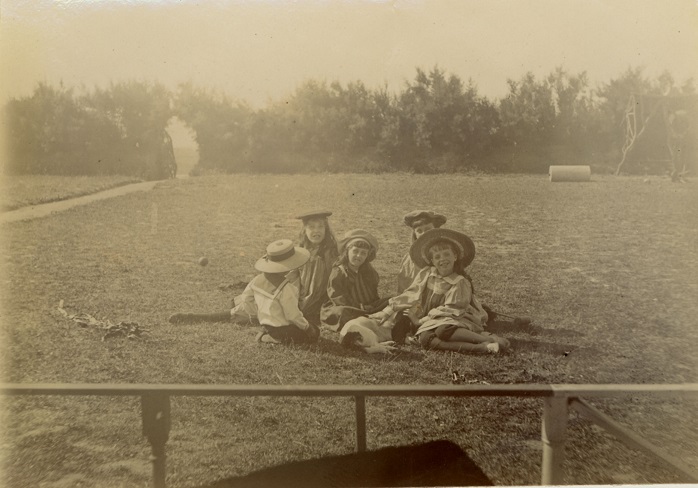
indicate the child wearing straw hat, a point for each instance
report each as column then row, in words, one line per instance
column 352, row 289
column 310, row 279
column 271, row 298
column 440, row 301
column 419, row 221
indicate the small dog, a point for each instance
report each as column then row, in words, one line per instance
column 368, row 335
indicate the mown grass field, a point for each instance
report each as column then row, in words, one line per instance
column 607, row 269
column 24, row 190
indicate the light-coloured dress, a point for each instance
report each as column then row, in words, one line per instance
column 440, row 300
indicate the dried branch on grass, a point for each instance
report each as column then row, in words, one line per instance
column 130, row 330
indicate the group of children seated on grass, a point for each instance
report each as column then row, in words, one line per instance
column 322, row 283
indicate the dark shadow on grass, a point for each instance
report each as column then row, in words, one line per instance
column 508, row 327
column 552, row 348
column 324, row 345
column 436, row 463
column 403, row 353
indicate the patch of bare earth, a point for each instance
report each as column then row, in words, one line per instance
column 27, row 190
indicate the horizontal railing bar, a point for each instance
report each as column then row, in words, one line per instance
column 117, row 389
column 631, row 439
column 572, row 390
column 275, row 390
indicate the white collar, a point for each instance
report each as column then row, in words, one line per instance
column 451, row 279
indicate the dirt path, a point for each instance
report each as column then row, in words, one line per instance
column 44, row 209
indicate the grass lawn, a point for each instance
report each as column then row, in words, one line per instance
column 26, row 190
column 608, row 270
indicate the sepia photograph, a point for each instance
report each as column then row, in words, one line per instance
column 348, row 243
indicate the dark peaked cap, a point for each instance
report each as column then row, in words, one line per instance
column 318, row 214
column 426, row 215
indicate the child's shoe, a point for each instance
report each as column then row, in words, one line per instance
column 503, row 343
column 493, row 348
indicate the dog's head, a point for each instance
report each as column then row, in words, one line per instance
column 352, row 340
column 356, row 335
column 402, row 328
column 366, row 335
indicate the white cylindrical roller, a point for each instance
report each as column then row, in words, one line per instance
column 570, row 173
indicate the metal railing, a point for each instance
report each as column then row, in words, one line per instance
column 557, row 401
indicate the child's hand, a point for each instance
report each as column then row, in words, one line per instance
column 379, row 316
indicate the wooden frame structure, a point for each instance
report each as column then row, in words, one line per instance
column 557, row 401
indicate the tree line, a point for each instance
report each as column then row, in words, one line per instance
column 119, row 130
column 436, row 123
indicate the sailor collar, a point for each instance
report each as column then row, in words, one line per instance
column 451, row 279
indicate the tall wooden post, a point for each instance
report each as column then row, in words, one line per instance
column 360, row 423
column 553, row 436
column 155, row 412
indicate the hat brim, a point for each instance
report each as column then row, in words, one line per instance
column 366, row 238
column 360, row 235
column 464, row 246
column 299, row 258
column 316, row 214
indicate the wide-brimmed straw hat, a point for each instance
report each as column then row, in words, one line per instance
column 282, row 256
column 361, row 235
column 315, row 214
column 462, row 244
column 420, row 217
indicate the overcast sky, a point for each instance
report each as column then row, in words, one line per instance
column 256, row 50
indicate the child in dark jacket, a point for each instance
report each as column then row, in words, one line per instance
column 352, row 290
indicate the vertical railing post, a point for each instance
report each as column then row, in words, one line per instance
column 360, row 423
column 155, row 412
column 553, row 436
